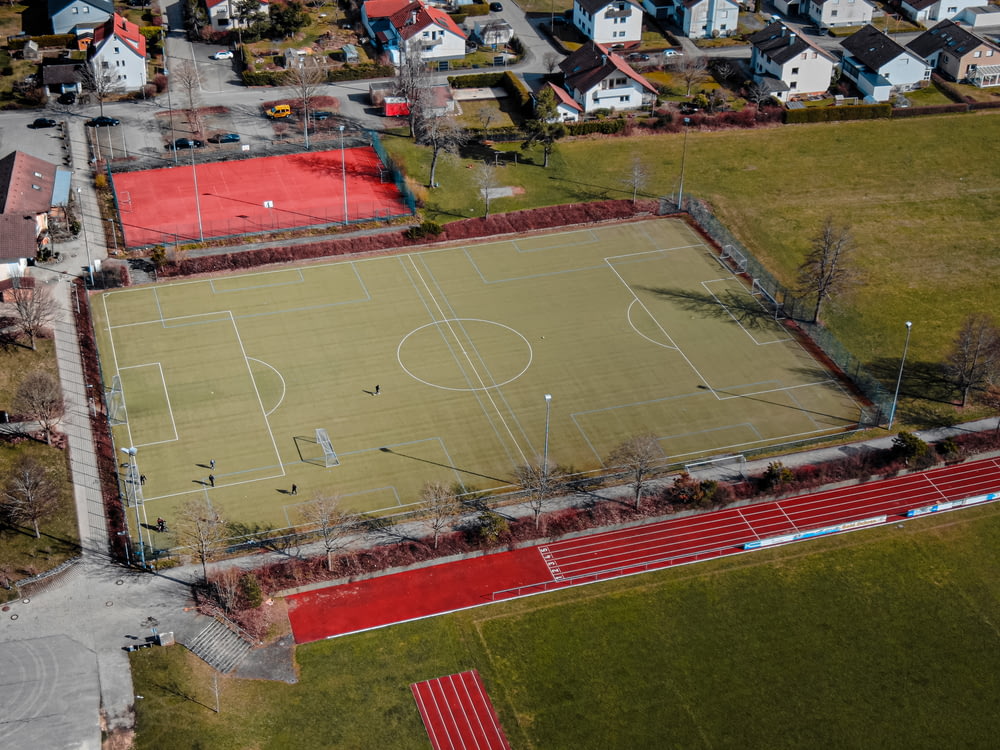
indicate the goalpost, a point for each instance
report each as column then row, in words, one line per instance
column 329, row 455
column 767, row 300
column 116, row 402
column 724, row 467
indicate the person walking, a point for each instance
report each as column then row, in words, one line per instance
column 211, row 463
column 378, row 389
column 295, row 489
column 142, row 479
column 211, row 479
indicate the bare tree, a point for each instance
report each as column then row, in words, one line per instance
column 485, row 176
column 40, row 399
column 439, row 507
column 540, row 481
column 692, row 70
column 201, row 527
column 723, row 69
column 334, row 523
column 305, row 80
column 97, row 78
column 185, row 75
column 974, row 359
column 413, row 82
column 756, row 93
column 486, row 117
column 551, row 61
column 443, row 135
column 35, row 307
column 827, row 268
column 638, row 176
column 639, row 456
column 30, row 495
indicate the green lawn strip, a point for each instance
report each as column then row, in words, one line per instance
column 882, row 638
column 16, row 361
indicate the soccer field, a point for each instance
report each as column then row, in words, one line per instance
column 632, row 328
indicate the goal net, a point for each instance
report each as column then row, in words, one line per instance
column 116, row 402
column 329, row 455
column 726, row 468
column 736, row 259
column 768, row 301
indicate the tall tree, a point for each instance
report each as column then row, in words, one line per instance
column 248, row 19
column 485, row 176
column 691, row 69
column 439, row 508
column 40, row 399
column 185, row 75
column 413, row 81
column 201, row 527
column 35, row 307
column 827, row 268
column 97, row 79
column 442, row 135
column 334, row 523
column 974, row 359
column 638, row 176
column 540, row 481
column 547, row 127
column 287, row 18
column 305, row 80
column 639, row 456
column 30, row 495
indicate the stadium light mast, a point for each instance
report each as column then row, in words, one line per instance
column 684, row 153
column 548, row 411
column 343, row 171
column 197, row 197
column 899, row 379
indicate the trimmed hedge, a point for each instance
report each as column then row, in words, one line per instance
column 833, row 114
column 930, row 109
column 360, row 72
column 607, row 127
column 518, row 90
column 45, row 41
column 476, row 81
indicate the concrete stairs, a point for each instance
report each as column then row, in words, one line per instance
column 220, row 646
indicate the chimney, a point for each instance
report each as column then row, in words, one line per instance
column 791, row 36
column 604, row 60
column 413, row 17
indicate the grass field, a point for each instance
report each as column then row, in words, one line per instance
column 632, row 328
column 883, row 638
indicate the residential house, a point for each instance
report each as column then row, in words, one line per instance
column 924, row 11
column 596, row 78
column 829, row 14
column 787, row 64
column 566, row 108
column 119, row 53
column 400, row 25
column 493, row 33
column 705, row 19
column 61, row 79
column 956, row 51
column 608, row 21
column 66, row 15
column 224, row 15
column 980, row 16
column 30, row 189
column 880, row 67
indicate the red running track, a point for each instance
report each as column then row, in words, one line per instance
column 458, row 714
column 425, row 592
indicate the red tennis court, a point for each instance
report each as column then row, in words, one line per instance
column 438, row 589
column 220, row 199
column 458, row 714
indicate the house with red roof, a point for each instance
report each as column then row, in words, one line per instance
column 118, row 53
column 596, row 78
column 568, row 110
column 399, row 26
column 30, row 190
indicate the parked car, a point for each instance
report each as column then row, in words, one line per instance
column 496, row 7
column 321, row 115
column 637, row 57
column 279, row 111
column 68, row 98
column 103, row 122
column 185, row 143
column 43, row 122
column 225, row 138
column 223, row 54
column 672, row 53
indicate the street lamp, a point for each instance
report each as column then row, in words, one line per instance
column 548, row 410
column 343, row 171
column 114, row 234
column 197, row 198
column 133, row 481
column 899, row 379
column 86, row 241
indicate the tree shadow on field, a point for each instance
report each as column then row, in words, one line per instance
column 923, row 380
column 728, row 305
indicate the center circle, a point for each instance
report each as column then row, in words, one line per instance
column 464, row 354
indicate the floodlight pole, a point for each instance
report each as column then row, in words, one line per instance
column 343, row 171
column 899, row 379
column 548, row 411
column 684, row 151
column 170, row 109
column 132, row 479
column 86, row 240
column 197, row 198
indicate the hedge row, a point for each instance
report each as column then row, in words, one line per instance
column 517, row 89
column 476, row 81
column 465, row 229
column 347, row 73
column 606, row 127
column 832, row 114
column 930, row 109
column 45, row 41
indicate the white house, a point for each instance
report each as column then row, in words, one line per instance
column 608, row 21
column 831, row 13
column 704, row 19
column 880, row 66
column 596, row 78
column 567, row 109
column 980, row 16
column 924, row 11
column 119, row 53
column 66, row 15
column 493, row 33
column 789, row 65
column 224, row 15
column 401, row 25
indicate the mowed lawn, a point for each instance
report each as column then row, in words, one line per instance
column 883, row 638
column 919, row 194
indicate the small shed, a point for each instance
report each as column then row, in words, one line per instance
column 350, row 53
column 395, row 106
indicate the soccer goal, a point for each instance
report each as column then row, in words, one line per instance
column 768, row 301
column 329, row 455
column 116, row 402
column 728, row 468
column 736, row 259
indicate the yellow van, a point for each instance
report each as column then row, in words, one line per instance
column 278, row 111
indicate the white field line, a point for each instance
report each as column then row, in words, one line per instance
column 284, row 388
column 166, row 396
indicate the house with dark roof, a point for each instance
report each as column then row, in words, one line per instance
column 880, row 67
column 787, row 64
column 596, row 78
column 697, row 19
column 30, row 188
column 957, row 52
column 924, row 11
column 608, row 21
column 119, row 54
column 829, row 14
column 66, row 15
column 399, row 26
